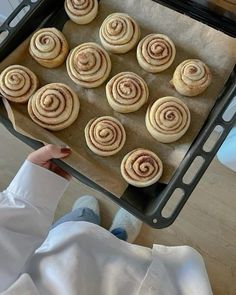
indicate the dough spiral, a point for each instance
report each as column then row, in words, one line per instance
column 81, row 11
column 18, row 83
column 191, row 77
column 54, row 106
column 167, row 119
column 88, row 65
column 105, row 136
column 141, row 167
column 119, row 33
column 156, row 53
column 127, row 92
column 49, row 47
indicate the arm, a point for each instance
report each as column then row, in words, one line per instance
column 27, row 208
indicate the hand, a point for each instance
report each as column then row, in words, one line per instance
column 44, row 155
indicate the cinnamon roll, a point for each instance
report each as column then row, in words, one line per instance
column 141, row 167
column 54, row 106
column 119, row 33
column 191, row 77
column 105, row 136
column 167, row 119
column 156, row 53
column 81, row 11
column 18, row 83
column 49, row 47
column 88, row 65
column 127, row 92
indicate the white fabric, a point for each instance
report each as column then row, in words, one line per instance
column 79, row 257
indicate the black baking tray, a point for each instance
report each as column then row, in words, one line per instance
column 145, row 203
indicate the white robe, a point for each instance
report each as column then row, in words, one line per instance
column 80, row 257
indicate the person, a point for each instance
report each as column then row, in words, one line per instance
column 75, row 255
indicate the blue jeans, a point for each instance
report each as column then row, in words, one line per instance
column 86, row 214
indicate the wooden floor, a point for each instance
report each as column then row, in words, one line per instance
column 207, row 222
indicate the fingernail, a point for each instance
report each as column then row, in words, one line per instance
column 65, row 150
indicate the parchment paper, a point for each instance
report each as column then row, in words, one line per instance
column 192, row 40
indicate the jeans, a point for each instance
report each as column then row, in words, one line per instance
column 86, row 214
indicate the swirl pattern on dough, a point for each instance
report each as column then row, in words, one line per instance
column 119, row 33
column 18, row 83
column 127, row 92
column 49, row 47
column 156, row 53
column 54, row 106
column 191, row 77
column 81, row 11
column 88, row 65
column 168, row 119
column 141, row 167
column 105, row 136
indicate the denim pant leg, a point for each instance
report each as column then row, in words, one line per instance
column 80, row 214
column 120, row 233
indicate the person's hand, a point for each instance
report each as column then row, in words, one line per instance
column 44, row 155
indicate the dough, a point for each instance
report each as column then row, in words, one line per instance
column 55, row 106
column 155, row 53
column 105, row 136
column 141, row 167
column 49, row 47
column 119, row 33
column 18, row 83
column 168, row 119
column 88, row 65
column 81, row 11
column 191, row 77
column 127, row 92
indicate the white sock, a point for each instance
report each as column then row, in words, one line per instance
column 132, row 225
column 87, row 202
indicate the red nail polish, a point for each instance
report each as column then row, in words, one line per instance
column 65, row 150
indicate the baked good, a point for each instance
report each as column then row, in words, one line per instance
column 127, row 92
column 49, row 47
column 105, row 136
column 88, row 65
column 167, row 119
column 54, row 106
column 18, row 83
column 119, row 33
column 156, row 53
column 141, row 167
column 191, row 77
column 81, row 11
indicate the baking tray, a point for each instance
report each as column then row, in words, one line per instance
column 149, row 203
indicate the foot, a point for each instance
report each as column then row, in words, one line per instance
column 123, row 220
column 87, row 202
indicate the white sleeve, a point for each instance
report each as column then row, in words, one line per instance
column 27, row 208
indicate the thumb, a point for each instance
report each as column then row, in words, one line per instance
column 48, row 152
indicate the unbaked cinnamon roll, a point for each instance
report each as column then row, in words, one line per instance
column 168, row 119
column 156, row 53
column 88, row 65
column 49, row 47
column 54, row 106
column 127, row 92
column 119, row 33
column 141, row 167
column 18, row 83
column 191, row 77
column 105, row 136
column 81, row 11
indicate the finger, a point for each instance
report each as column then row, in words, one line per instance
column 54, row 168
column 48, row 152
